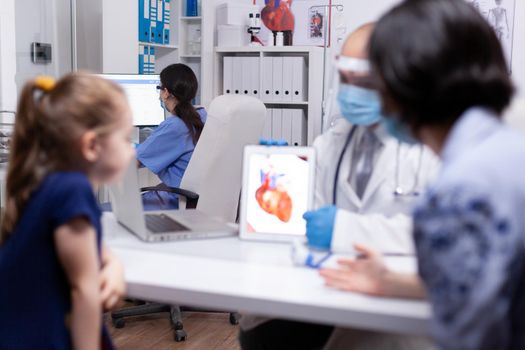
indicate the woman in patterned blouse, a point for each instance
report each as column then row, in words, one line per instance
column 444, row 81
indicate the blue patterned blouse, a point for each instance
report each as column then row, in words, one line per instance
column 469, row 231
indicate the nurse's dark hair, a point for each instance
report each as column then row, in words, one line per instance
column 433, row 59
column 181, row 82
column 50, row 121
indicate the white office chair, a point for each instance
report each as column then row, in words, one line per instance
column 212, row 180
column 515, row 115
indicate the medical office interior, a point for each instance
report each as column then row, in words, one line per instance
column 230, row 235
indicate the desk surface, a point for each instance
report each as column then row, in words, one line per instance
column 254, row 277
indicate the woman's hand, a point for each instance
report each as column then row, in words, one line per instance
column 112, row 284
column 364, row 274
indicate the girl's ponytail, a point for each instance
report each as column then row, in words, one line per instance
column 27, row 162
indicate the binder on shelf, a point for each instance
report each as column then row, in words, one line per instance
column 151, row 69
column 227, row 87
column 276, row 124
column 141, row 59
column 166, row 20
column 287, row 78
column 153, row 11
column 144, row 25
column 237, row 75
column 277, row 79
column 299, row 80
column 159, row 35
column 267, row 130
column 254, row 77
column 298, row 128
column 286, row 125
column 246, row 75
column 145, row 66
column 267, row 79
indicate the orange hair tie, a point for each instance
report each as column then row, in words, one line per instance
column 45, row 83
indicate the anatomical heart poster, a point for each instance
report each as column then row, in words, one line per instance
column 500, row 15
column 303, row 22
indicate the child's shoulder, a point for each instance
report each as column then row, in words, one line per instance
column 63, row 184
column 66, row 180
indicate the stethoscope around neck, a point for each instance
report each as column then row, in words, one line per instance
column 399, row 191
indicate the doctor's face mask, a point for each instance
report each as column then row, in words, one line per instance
column 359, row 103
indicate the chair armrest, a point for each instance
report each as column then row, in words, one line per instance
column 191, row 197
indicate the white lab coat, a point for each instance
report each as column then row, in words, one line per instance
column 380, row 219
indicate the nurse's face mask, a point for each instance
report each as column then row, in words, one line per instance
column 359, row 102
column 161, row 91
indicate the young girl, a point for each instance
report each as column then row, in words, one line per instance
column 168, row 150
column 69, row 138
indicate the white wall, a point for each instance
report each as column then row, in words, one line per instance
column 7, row 58
column 46, row 21
column 354, row 16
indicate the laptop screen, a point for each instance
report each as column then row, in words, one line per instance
column 278, row 193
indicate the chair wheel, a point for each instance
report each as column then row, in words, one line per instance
column 118, row 322
column 180, row 335
column 234, row 318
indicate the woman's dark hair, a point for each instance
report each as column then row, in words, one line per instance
column 434, row 59
column 181, row 82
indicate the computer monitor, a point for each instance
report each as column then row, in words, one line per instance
column 143, row 97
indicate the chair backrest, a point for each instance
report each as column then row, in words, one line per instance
column 215, row 168
column 515, row 115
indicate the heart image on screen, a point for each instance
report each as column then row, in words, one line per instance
column 273, row 197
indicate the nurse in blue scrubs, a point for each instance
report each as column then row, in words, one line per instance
column 168, row 150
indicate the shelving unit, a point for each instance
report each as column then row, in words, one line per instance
column 312, row 106
column 120, row 44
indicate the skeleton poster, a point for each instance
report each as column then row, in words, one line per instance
column 500, row 15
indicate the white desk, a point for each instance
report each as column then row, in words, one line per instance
column 253, row 277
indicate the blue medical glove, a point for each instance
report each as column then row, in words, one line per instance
column 320, row 226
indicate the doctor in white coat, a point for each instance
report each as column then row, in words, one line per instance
column 366, row 180
column 366, row 209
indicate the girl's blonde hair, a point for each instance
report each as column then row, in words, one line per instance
column 50, row 120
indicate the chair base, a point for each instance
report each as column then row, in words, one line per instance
column 179, row 334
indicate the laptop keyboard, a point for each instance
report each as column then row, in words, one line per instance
column 163, row 223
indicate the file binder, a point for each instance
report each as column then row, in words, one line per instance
column 267, row 130
column 141, row 59
column 144, row 25
column 145, row 68
column 277, row 80
column 237, row 75
column 167, row 19
column 276, row 124
column 267, row 79
column 227, row 87
column 151, row 69
column 286, row 125
column 287, row 78
column 299, row 79
column 298, row 128
column 159, row 35
column 255, row 77
column 246, row 75
column 153, row 12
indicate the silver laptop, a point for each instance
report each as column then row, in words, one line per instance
column 156, row 226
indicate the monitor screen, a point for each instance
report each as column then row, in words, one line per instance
column 143, row 97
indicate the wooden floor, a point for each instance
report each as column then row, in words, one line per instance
column 205, row 331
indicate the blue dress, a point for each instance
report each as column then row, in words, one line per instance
column 167, row 152
column 35, row 294
column 469, row 232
